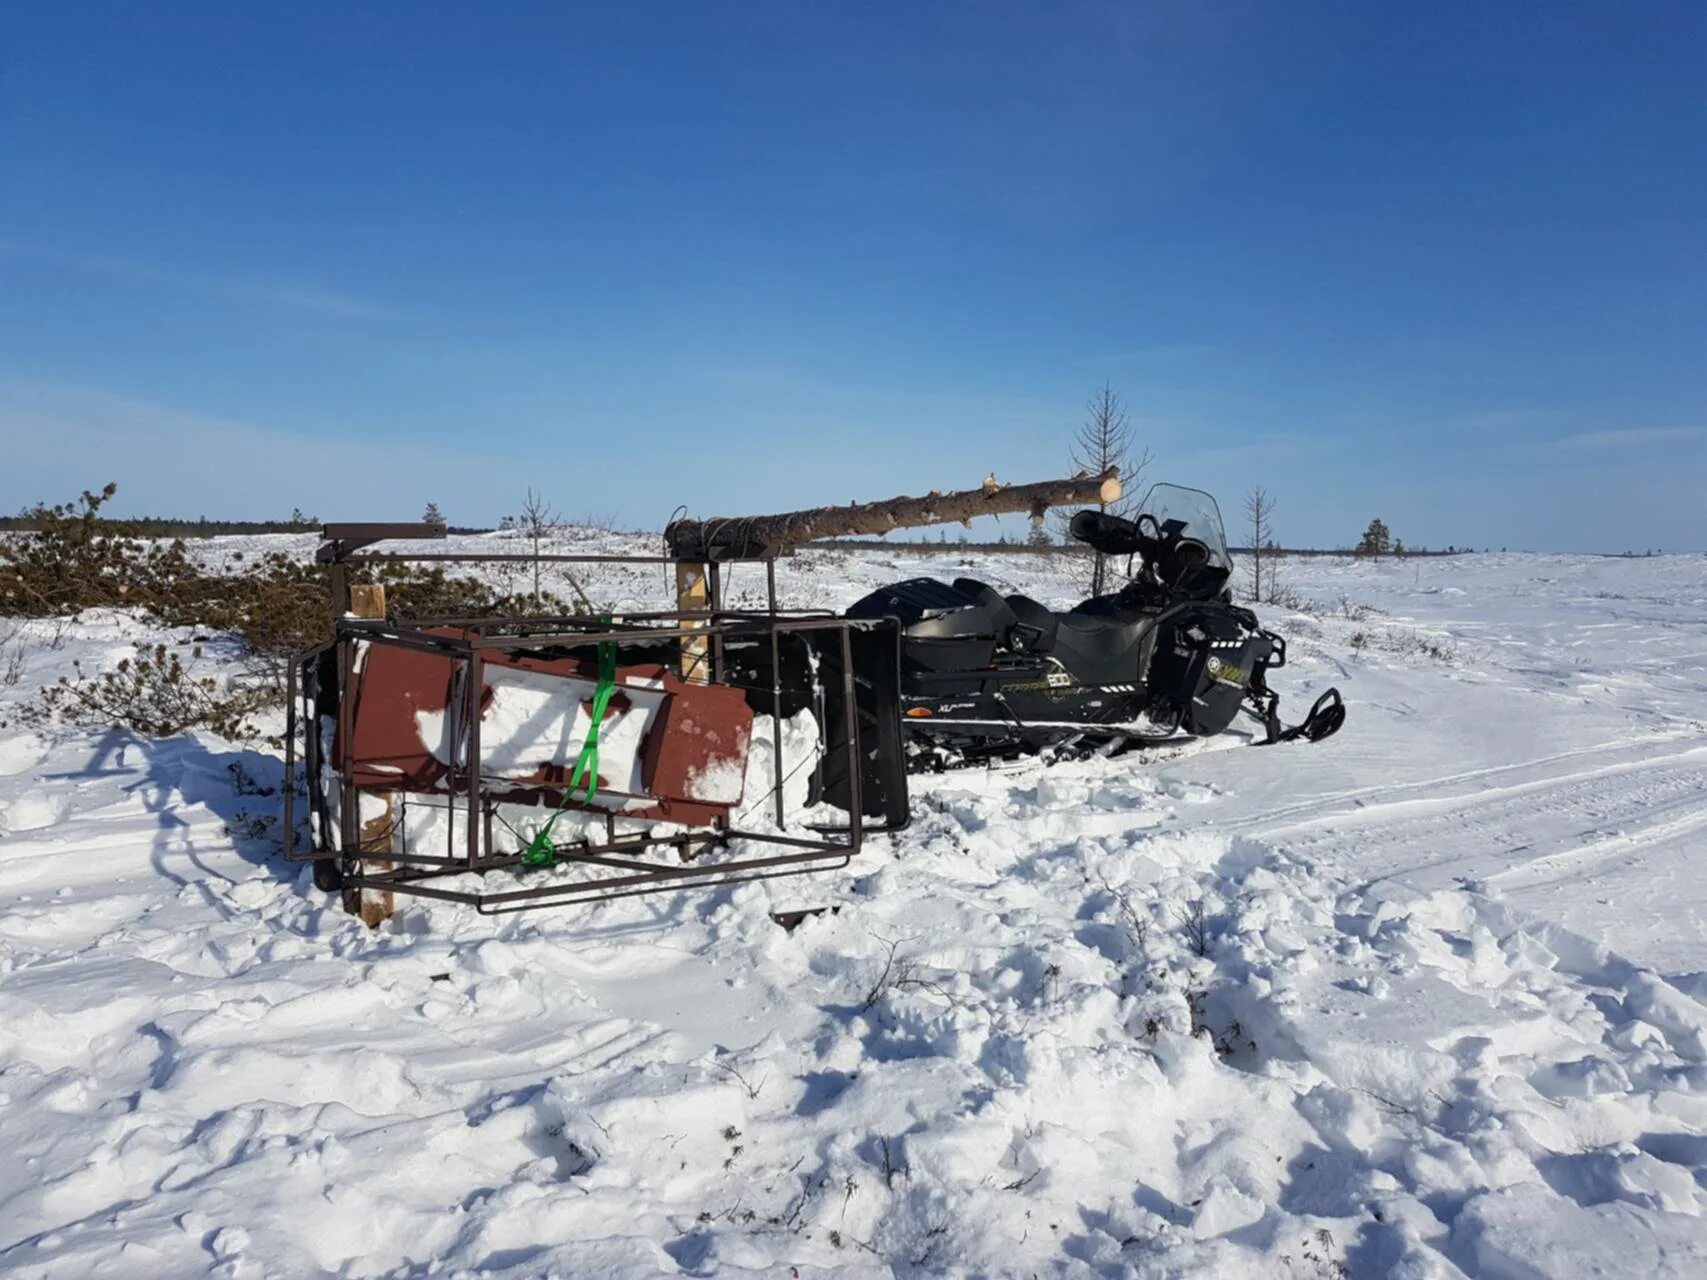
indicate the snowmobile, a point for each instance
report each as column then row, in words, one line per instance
column 985, row 676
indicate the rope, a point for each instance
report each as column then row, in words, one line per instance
column 540, row 851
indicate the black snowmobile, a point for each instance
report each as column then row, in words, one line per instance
column 986, row 676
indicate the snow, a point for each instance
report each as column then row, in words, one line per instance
column 1423, row 1000
column 535, row 718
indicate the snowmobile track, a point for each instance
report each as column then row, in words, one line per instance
column 1376, row 804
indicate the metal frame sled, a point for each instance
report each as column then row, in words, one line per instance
column 482, row 726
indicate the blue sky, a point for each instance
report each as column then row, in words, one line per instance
column 1442, row 263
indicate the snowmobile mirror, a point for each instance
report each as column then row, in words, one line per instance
column 1190, row 554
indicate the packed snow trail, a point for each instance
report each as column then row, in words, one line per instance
column 1413, row 1002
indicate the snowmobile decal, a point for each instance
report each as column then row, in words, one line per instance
column 1225, row 672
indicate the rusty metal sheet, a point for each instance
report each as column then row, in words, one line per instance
column 671, row 751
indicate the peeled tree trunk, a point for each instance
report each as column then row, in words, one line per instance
column 757, row 537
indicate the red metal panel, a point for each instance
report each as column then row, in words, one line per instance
column 691, row 758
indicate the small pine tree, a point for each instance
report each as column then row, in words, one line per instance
column 1104, row 441
column 536, row 521
column 1377, row 540
column 432, row 516
column 1259, row 507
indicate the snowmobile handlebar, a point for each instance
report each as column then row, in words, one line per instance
column 1110, row 534
column 1166, row 549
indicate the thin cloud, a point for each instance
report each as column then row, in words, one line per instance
column 1633, row 438
column 251, row 291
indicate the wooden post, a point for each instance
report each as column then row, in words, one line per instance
column 367, row 600
column 378, row 833
column 692, row 595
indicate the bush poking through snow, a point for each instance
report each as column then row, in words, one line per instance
column 730, row 1069
column 1195, row 924
column 243, row 824
column 1228, row 1040
column 1405, row 642
column 72, row 559
column 11, row 657
column 152, row 694
column 1352, row 611
column 906, row 974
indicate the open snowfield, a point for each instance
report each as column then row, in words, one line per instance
column 1426, row 1000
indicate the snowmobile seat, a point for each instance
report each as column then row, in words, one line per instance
column 1101, row 647
column 993, row 612
column 931, row 609
column 943, row 628
column 1034, row 626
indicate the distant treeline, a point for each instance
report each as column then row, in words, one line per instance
column 202, row 527
column 1407, row 553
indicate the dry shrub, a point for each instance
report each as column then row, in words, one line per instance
column 151, row 694
column 71, row 559
column 280, row 606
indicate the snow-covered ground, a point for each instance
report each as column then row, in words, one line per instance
column 1424, row 1000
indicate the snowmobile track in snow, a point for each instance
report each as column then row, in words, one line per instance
column 1378, row 802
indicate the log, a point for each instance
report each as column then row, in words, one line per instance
column 758, row 537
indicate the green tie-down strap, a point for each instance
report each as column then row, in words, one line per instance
column 540, row 851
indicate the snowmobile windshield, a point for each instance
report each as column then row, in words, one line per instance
column 1197, row 511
